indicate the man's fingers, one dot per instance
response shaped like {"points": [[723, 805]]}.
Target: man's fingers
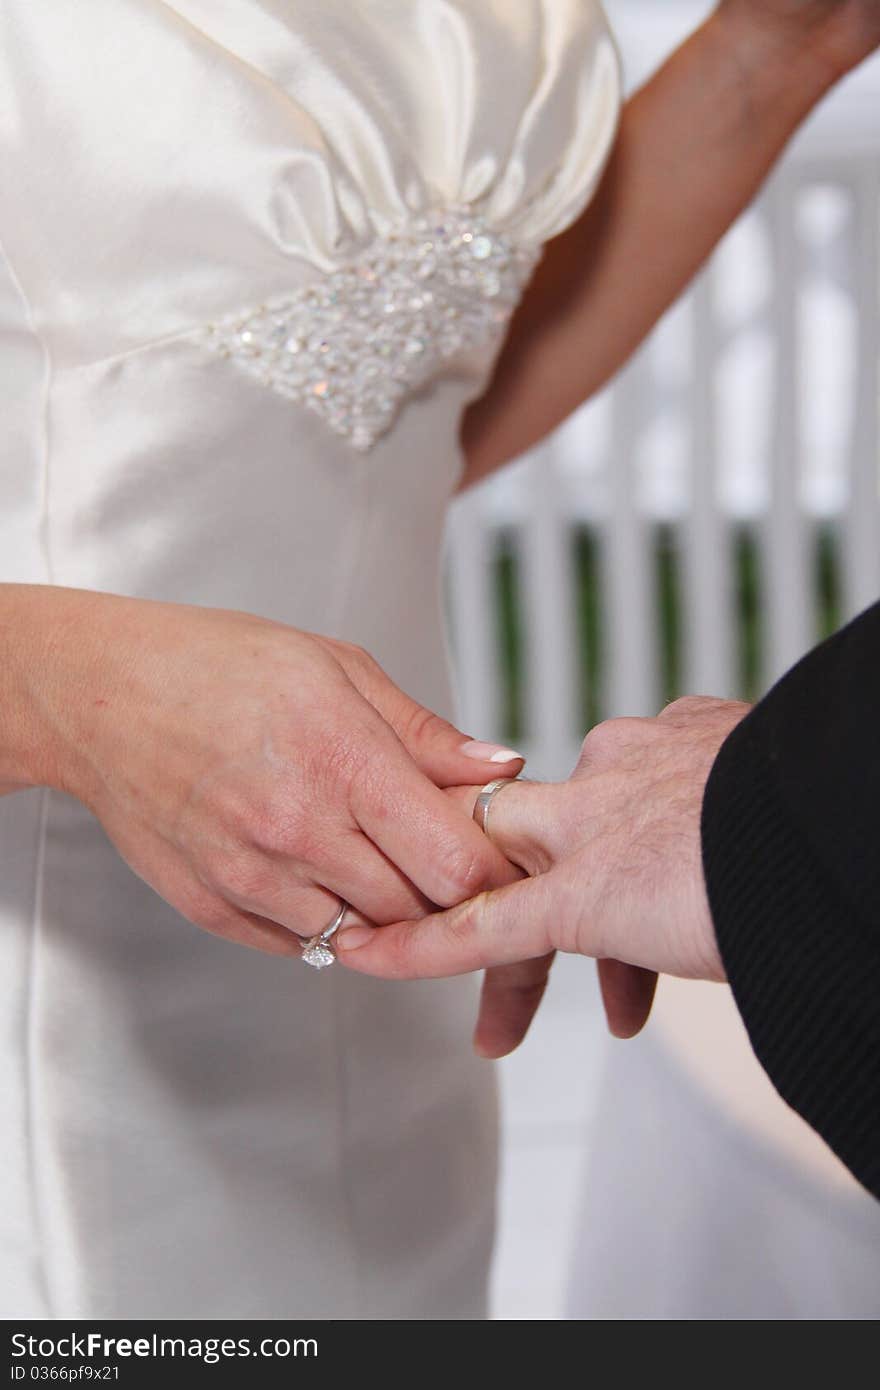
{"points": [[509, 1001], [628, 995], [525, 820], [504, 927]]}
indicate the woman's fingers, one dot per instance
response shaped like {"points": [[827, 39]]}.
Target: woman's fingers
{"points": [[419, 829], [442, 752], [627, 995], [361, 874], [509, 1001], [352, 871], [280, 926], [350, 867], [297, 907], [503, 927]]}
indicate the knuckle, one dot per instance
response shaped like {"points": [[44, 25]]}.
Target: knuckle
{"points": [[465, 922], [689, 704], [240, 877], [420, 726], [403, 952], [464, 870], [535, 824], [538, 858], [352, 650], [288, 816], [614, 737], [373, 790], [210, 913], [277, 825], [356, 659], [340, 759], [527, 993], [374, 793], [603, 739]]}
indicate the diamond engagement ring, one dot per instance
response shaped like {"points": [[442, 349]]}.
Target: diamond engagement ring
{"points": [[317, 951]]}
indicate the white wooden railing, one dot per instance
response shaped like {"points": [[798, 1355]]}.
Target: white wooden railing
{"points": [[754, 409]]}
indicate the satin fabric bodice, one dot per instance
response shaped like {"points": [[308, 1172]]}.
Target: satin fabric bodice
{"points": [[198, 1131]]}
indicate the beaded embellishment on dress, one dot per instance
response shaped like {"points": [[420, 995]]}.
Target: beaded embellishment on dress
{"points": [[354, 345]]}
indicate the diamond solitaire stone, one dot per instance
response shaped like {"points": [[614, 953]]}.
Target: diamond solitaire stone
{"points": [[318, 955], [355, 344]]}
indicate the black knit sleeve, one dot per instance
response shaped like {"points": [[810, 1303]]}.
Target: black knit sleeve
{"points": [[791, 854]]}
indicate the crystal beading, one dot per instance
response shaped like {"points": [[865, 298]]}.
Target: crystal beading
{"points": [[356, 344]]}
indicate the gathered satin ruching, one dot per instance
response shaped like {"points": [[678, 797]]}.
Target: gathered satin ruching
{"points": [[227, 151], [196, 1130]]}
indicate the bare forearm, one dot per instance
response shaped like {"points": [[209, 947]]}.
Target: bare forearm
{"points": [[694, 146], [42, 651]]}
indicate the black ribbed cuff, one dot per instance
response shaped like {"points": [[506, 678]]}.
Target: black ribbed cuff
{"points": [[794, 953]]}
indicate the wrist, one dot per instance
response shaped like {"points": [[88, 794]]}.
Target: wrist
{"points": [[784, 66], [44, 657]]}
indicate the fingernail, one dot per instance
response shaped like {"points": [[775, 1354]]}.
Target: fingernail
{"points": [[490, 752], [353, 937]]}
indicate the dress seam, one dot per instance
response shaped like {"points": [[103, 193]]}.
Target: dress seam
{"points": [[29, 1021], [39, 873], [30, 1069]]}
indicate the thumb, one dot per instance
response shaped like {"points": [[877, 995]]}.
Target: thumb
{"points": [[502, 927], [440, 750]]}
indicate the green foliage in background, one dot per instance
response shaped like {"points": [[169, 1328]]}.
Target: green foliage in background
{"points": [[591, 636]]}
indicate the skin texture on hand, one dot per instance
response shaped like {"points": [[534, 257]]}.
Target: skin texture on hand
{"points": [[252, 774], [615, 869]]}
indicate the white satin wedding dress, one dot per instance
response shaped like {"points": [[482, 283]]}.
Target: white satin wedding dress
{"points": [[257, 255]]}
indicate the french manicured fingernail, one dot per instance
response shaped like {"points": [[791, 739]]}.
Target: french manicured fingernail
{"points": [[353, 937], [490, 752]]}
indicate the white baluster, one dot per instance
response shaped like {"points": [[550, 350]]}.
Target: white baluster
{"points": [[710, 630], [630, 645], [548, 594], [786, 569], [471, 547], [861, 557]]}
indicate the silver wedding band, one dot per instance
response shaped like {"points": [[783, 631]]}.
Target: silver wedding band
{"points": [[317, 951], [483, 803]]}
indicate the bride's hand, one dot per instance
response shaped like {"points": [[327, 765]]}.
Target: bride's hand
{"points": [[838, 34], [254, 774]]}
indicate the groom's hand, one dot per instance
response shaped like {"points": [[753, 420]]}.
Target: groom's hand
{"points": [[615, 873]]}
